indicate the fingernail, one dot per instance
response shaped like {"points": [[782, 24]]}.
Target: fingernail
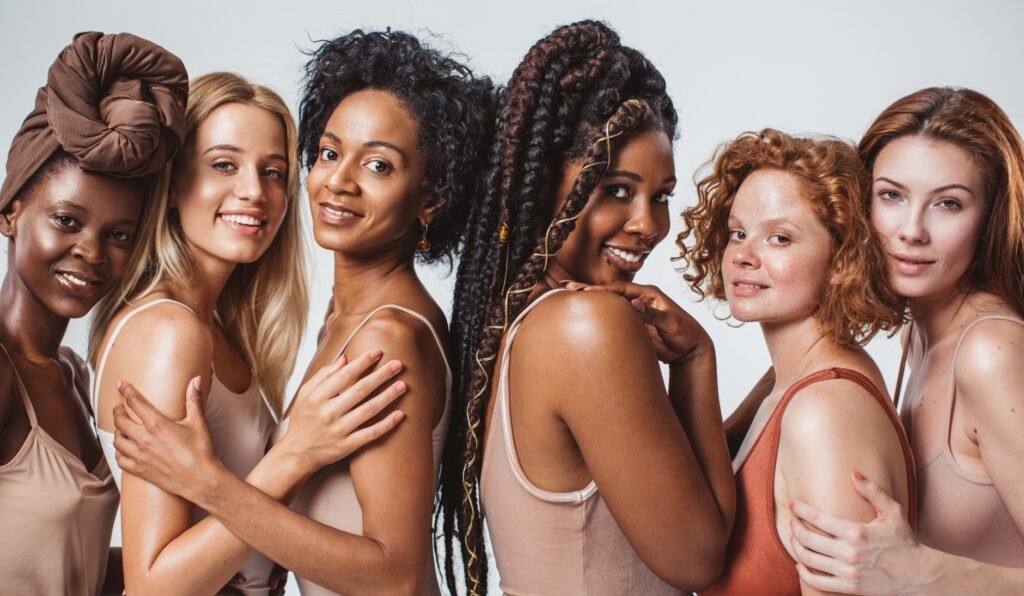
{"points": [[400, 387], [395, 365], [399, 415], [564, 282], [120, 384], [638, 304], [195, 383], [857, 475], [376, 353]]}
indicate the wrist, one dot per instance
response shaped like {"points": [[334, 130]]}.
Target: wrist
{"points": [[701, 352], [211, 480], [289, 462], [930, 570]]}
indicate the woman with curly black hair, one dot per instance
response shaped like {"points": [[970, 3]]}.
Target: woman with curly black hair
{"points": [[392, 133], [624, 487]]}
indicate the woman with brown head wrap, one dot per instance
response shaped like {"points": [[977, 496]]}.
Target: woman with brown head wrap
{"points": [[108, 120]]}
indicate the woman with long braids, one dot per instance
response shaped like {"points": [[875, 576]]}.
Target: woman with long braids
{"points": [[948, 202], [79, 175], [592, 477], [392, 132]]}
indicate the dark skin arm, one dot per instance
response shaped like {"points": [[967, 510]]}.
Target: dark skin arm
{"points": [[587, 361]]}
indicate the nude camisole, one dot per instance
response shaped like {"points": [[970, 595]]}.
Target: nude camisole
{"points": [[55, 515], [756, 562], [961, 512], [546, 542], [240, 428], [329, 496]]}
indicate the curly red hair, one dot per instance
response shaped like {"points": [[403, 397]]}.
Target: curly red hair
{"points": [[857, 302]]}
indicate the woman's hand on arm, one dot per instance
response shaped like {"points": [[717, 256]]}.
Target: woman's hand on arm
{"points": [[394, 483], [830, 430], [883, 556]]}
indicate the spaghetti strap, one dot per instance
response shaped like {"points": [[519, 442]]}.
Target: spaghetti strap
{"points": [[951, 392], [410, 312], [101, 363], [26, 402]]}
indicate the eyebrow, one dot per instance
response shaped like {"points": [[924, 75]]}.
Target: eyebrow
{"points": [[234, 149], [632, 176], [368, 144], [953, 186]]}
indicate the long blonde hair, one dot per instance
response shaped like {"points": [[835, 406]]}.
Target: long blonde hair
{"points": [[264, 304]]}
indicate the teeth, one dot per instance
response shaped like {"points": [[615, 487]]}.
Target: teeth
{"points": [[75, 280], [245, 220], [743, 285], [339, 209], [631, 257]]}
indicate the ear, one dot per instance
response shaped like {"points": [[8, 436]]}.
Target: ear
{"points": [[430, 208], [9, 219]]}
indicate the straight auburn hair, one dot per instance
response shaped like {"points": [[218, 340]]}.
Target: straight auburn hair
{"points": [[973, 122], [263, 306]]}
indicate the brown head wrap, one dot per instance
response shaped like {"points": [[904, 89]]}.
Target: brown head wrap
{"points": [[114, 102]]}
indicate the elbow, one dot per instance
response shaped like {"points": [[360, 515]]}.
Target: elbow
{"points": [[695, 566]]}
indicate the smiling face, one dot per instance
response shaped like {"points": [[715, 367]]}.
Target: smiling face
{"points": [[366, 188], [777, 259], [231, 191], [928, 206], [71, 237], [626, 215]]}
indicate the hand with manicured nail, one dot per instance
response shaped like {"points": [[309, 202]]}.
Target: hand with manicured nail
{"points": [[174, 455], [326, 420], [837, 555], [678, 338]]}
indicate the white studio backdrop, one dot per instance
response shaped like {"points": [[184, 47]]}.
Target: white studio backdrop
{"points": [[803, 67]]}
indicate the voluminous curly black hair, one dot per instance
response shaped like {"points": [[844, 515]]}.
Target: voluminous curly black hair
{"points": [[574, 87], [454, 111]]}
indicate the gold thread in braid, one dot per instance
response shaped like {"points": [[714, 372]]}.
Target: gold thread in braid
{"points": [[467, 485]]}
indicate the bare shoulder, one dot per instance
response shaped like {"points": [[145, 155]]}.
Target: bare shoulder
{"points": [[588, 323], [989, 368], [835, 412], [164, 327], [396, 333]]}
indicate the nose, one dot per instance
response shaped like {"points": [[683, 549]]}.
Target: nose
{"points": [[912, 230], [249, 185], [744, 255], [89, 249], [643, 220], [340, 180]]}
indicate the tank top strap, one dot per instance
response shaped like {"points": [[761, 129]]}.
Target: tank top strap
{"points": [[411, 313], [883, 400], [951, 392], [102, 362], [26, 402]]}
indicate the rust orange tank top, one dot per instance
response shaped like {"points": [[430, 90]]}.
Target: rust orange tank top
{"points": [[756, 560]]}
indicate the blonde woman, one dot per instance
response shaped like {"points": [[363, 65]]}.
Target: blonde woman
{"points": [[215, 300]]}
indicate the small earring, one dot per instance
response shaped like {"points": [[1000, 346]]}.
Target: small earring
{"points": [[424, 244]]}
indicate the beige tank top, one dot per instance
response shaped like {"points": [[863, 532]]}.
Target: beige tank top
{"points": [[55, 516], [240, 428], [960, 512], [329, 496], [546, 542]]}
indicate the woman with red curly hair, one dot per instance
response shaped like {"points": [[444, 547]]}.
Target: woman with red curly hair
{"points": [[778, 232]]}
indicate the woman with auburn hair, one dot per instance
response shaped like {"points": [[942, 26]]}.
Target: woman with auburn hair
{"points": [[215, 301], [80, 173], [947, 200], [393, 133], [578, 190]]}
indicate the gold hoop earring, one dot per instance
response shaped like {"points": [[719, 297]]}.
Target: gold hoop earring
{"points": [[424, 244]]}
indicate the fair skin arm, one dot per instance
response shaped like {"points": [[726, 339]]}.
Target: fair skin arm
{"points": [[596, 363], [163, 551], [883, 556], [830, 429], [393, 479]]}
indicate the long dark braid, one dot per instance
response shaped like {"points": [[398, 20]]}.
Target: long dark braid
{"points": [[576, 95]]}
